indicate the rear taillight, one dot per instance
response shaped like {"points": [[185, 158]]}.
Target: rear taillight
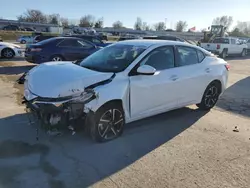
{"points": [[35, 49], [218, 46], [227, 66]]}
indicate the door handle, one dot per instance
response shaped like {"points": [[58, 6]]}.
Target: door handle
{"points": [[174, 77], [207, 70]]}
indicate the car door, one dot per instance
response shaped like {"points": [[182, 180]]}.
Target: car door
{"points": [[151, 94], [193, 75], [74, 49], [233, 49]]}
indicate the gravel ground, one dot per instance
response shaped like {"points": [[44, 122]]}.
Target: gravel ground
{"points": [[181, 148]]}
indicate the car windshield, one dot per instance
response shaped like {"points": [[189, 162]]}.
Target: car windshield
{"points": [[114, 58]]}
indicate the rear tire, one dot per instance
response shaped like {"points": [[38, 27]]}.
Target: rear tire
{"points": [[108, 123], [223, 54], [210, 96]]}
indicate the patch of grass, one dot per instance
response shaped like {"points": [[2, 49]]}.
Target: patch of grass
{"points": [[12, 35], [113, 38], [19, 87]]}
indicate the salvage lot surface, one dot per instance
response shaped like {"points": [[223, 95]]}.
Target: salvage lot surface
{"points": [[182, 148]]}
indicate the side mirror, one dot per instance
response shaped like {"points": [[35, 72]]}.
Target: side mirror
{"points": [[146, 70]]}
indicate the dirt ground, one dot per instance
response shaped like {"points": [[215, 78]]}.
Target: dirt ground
{"points": [[185, 148]]}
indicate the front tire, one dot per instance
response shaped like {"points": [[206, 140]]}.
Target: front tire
{"points": [[8, 53], [108, 124], [23, 41], [210, 96], [56, 58]]}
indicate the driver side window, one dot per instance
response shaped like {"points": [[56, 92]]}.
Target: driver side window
{"points": [[161, 58]]}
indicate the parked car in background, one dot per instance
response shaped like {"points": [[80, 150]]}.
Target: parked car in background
{"points": [[25, 39], [40, 38], [226, 46], [248, 45], [29, 29], [59, 49], [125, 82], [9, 50], [93, 39], [11, 28]]}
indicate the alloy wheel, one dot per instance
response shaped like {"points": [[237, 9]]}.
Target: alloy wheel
{"points": [[8, 53], [211, 96], [56, 59], [110, 124]]}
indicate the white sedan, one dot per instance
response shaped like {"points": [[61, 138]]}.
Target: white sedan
{"points": [[124, 82], [9, 50]]}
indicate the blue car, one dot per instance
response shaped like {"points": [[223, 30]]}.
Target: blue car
{"points": [[59, 49], [93, 39]]}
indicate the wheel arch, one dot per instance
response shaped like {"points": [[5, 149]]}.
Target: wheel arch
{"points": [[113, 101]]}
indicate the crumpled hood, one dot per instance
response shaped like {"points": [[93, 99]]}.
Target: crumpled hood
{"points": [[9, 45], [61, 79]]}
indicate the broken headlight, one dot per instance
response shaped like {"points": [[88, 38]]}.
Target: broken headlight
{"points": [[79, 97]]}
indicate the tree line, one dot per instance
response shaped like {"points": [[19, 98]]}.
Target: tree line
{"points": [[31, 15]]}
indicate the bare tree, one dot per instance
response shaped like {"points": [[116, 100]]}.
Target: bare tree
{"points": [[64, 22], [53, 19], [87, 21], [226, 21], [118, 24], [181, 26], [138, 24], [244, 27], [32, 15], [99, 23], [160, 26]]}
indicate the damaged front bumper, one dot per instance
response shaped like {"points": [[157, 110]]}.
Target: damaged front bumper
{"points": [[55, 114]]}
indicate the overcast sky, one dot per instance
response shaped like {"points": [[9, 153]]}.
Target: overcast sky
{"points": [[199, 13]]}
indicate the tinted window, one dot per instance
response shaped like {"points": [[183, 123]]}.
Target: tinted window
{"points": [[201, 55], [186, 56], [74, 43], [160, 58], [248, 41], [233, 41], [96, 41], [221, 40]]}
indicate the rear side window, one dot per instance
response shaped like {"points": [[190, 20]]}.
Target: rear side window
{"points": [[186, 56], [221, 40], [233, 41], [96, 41], [201, 55]]}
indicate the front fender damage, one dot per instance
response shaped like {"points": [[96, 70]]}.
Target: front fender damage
{"points": [[59, 113]]}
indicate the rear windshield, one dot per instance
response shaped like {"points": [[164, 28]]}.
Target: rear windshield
{"points": [[221, 40]]}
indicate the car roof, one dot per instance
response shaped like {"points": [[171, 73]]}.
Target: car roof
{"points": [[150, 42]]}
